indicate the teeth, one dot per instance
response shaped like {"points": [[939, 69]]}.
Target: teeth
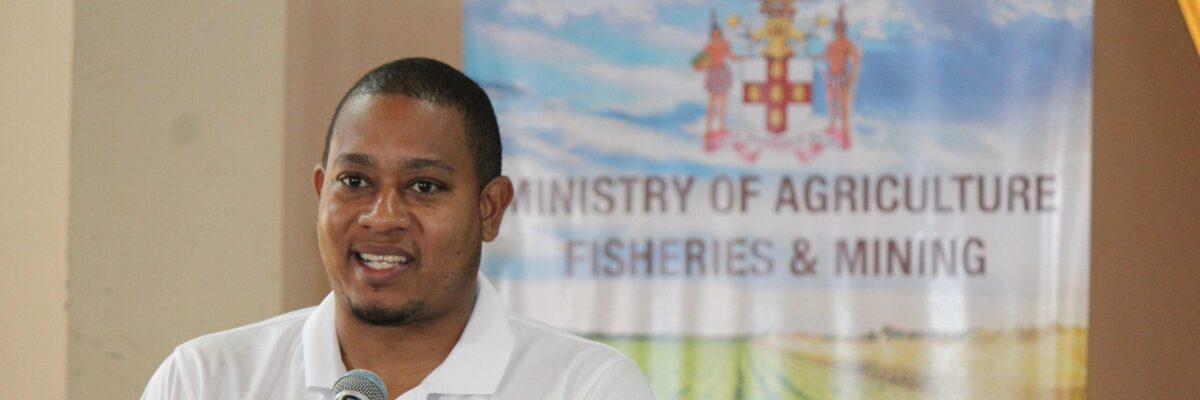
{"points": [[383, 261]]}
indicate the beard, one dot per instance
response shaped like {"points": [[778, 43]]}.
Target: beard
{"points": [[378, 315], [416, 310]]}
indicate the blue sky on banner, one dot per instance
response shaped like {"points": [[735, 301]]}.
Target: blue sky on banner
{"points": [[975, 78]]}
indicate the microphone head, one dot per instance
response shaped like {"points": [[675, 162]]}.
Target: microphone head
{"points": [[359, 384]]}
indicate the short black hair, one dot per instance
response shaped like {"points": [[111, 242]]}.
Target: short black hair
{"points": [[435, 82]]}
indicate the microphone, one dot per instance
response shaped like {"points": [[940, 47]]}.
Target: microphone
{"points": [[359, 384]]}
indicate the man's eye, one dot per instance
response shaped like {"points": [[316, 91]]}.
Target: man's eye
{"points": [[353, 181], [424, 187]]}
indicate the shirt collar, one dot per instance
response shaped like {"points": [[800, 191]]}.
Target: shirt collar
{"points": [[479, 359], [475, 365], [322, 355]]}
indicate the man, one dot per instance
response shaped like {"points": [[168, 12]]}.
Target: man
{"points": [[409, 188]]}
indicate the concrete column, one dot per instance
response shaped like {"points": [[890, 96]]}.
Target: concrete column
{"points": [[176, 184]]}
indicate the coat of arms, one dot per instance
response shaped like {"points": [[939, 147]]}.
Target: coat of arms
{"points": [[775, 82]]}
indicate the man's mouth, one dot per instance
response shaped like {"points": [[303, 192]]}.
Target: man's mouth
{"points": [[382, 261]]}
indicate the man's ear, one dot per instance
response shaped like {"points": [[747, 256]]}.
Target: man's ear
{"points": [[319, 179], [493, 200]]}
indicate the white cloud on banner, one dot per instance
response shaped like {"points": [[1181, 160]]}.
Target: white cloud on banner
{"points": [[1004, 12], [612, 136], [556, 12], [533, 45], [659, 88], [869, 18], [670, 85], [880, 145], [879, 151], [671, 36], [540, 149], [605, 135]]}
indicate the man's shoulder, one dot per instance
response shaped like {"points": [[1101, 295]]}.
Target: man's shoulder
{"points": [[544, 345], [257, 339], [570, 366], [543, 340], [247, 361]]}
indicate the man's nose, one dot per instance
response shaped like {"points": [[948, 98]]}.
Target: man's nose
{"points": [[388, 212]]}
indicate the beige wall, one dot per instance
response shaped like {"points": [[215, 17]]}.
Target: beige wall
{"points": [[1145, 306], [35, 110], [196, 128], [177, 178]]}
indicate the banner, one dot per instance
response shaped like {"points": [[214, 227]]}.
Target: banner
{"points": [[812, 199]]}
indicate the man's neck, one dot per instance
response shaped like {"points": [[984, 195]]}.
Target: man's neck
{"points": [[402, 355]]}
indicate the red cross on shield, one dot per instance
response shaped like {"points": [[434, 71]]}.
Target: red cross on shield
{"points": [[775, 91]]}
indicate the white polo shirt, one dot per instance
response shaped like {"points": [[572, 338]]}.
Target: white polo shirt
{"points": [[499, 356]]}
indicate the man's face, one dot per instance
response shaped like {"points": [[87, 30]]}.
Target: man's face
{"points": [[401, 216]]}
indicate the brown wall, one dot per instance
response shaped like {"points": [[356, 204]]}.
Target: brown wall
{"points": [[1145, 305]]}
